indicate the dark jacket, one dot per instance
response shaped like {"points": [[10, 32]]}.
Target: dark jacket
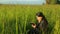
{"points": [[39, 28], [42, 26], [34, 31]]}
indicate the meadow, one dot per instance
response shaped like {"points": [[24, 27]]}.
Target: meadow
{"points": [[16, 19]]}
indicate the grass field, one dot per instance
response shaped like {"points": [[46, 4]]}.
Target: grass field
{"points": [[16, 19]]}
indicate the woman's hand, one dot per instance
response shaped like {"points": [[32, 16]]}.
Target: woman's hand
{"points": [[34, 25]]}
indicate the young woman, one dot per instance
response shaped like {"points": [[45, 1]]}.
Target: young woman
{"points": [[41, 26], [42, 23]]}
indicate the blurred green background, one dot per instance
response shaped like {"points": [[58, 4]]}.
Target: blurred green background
{"points": [[16, 19]]}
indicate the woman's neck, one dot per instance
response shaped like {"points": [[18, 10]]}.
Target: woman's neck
{"points": [[39, 21]]}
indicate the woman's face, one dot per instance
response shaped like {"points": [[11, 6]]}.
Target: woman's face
{"points": [[38, 18]]}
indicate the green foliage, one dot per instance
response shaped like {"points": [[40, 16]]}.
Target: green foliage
{"points": [[16, 19], [53, 1]]}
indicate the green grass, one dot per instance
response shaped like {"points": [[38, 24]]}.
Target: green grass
{"points": [[16, 19]]}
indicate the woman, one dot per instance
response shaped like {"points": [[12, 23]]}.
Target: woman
{"points": [[42, 23], [41, 26]]}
